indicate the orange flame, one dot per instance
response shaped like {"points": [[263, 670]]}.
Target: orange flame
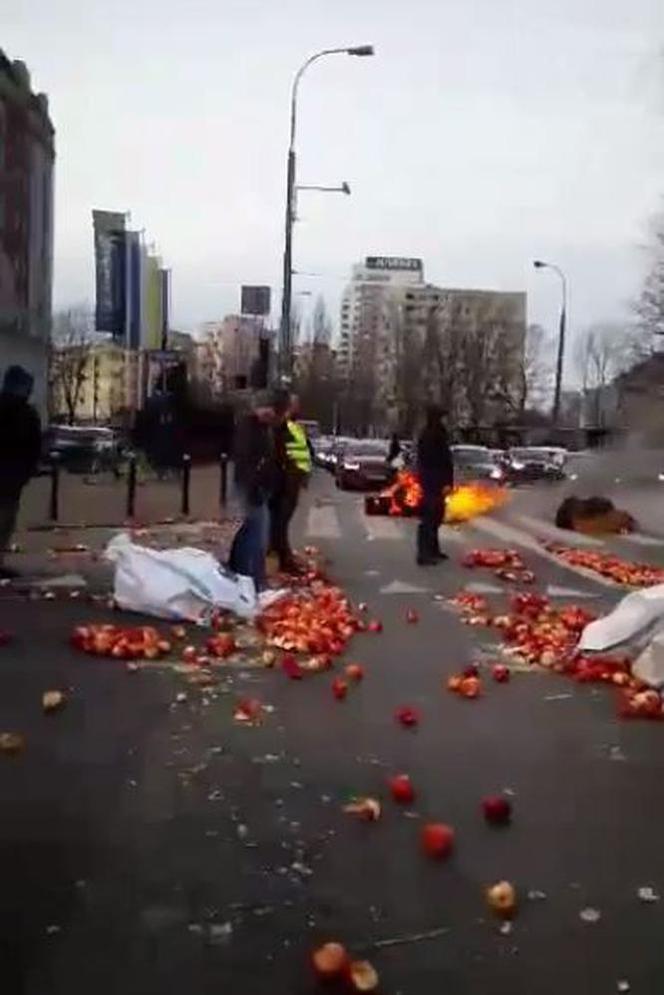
{"points": [[465, 502]]}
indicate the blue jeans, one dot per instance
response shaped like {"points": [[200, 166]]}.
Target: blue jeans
{"points": [[249, 547]]}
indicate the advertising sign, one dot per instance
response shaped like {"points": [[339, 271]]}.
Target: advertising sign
{"points": [[393, 262], [256, 300], [110, 272]]}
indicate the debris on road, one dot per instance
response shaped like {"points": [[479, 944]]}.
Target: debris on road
{"points": [[501, 899], [407, 938], [625, 572], [590, 915], [140, 642], [647, 894], [12, 743], [407, 716], [593, 516], [52, 701], [368, 809]]}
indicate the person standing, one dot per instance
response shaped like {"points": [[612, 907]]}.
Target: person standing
{"points": [[293, 472], [436, 475], [20, 449], [255, 472]]}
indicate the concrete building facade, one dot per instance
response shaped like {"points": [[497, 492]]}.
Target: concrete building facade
{"points": [[27, 154]]}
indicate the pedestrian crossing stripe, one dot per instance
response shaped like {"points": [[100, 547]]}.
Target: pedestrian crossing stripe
{"points": [[550, 531], [323, 523]]}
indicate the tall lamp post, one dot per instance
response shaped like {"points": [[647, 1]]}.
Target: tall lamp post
{"points": [[540, 264], [285, 340]]}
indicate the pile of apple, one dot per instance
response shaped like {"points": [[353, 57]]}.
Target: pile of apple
{"points": [[319, 620], [539, 633], [507, 564], [139, 643], [606, 565]]}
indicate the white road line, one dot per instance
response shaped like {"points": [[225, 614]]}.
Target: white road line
{"points": [[323, 523], [550, 531], [642, 540], [515, 537]]}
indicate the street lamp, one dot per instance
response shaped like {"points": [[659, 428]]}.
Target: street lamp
{"points": [[540, 264], [285, 343]]}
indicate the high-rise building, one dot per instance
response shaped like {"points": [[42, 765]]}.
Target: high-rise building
{"points": [[27, 154], [405, 343]]}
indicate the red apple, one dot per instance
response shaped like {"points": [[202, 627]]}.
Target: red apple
{"points": [[402, 789], [497, 810], [437, 840], [339, 689], [412, 617], [330, 960], [354, 672], [189, 654], [291, 667], [472, 670], [407, 716], [470, 687], [375, 625], [500, 673]]}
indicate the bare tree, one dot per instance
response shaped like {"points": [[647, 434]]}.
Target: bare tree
{"points": [[650, 303], [71, 345], [537, 369], [321, 323]]}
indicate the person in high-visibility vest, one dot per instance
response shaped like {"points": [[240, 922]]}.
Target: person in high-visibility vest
{"points": [[294, 463]]}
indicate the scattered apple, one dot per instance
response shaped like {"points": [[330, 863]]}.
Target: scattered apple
{"points": [[12, 743], [402, 789], [189, 654], [472, 670], [500, 673], [412, 617], [470, 687], [291, 667], [330, 961], [501, 899], [52, 701], [363, 976], [375, 625], [437, 840], [407, 716], [454, 682], [497, 810], [354, 672], [366, 808], [339, 688]]}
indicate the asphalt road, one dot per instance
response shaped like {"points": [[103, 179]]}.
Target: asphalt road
{"points": [[150, 846]]}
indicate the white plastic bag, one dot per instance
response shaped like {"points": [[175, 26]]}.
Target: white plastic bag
{"points": [[176, 583], [649, 666], [637, 615]]}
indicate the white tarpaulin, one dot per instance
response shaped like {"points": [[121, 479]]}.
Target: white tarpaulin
{"points": [[638, 620], [183, 583]]}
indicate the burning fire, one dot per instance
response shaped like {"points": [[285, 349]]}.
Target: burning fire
{"points": [[466, 501]]}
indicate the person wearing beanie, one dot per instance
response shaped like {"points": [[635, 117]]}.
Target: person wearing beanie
{"points": [[20, 449]]}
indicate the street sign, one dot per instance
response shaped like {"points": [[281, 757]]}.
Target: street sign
{"points": [[256, 300], [393, 262]]}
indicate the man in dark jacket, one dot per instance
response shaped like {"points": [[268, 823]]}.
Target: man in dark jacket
{"points": [[255, 473], [20, 449], [436, 474]]}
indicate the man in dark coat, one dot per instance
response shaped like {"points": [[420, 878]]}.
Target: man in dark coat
{"points": [[20, 449], [436, 474], [255, 475]]}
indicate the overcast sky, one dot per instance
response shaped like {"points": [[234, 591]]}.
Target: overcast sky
{"points": [[484, 133]]}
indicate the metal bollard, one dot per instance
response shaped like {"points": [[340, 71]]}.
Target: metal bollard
{"points": [[131, 487], [223, 480], [55, 489], [186, 481]]}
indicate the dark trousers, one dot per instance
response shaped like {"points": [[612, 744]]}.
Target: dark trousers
{"points": [[248, 551], [282, 508], [8, 514], [431, 518]]}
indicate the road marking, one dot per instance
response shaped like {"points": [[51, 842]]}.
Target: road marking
{"points": [[642, 540], [401, 587], [480, 588], [323, 523], [515, 537], [553, 591], [447, 533], [380, 527], [553, 532]]}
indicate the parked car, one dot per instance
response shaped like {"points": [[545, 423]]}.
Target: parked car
{"points": [[340, 443], [323, 447], [530, 464], [84, 449], [476, 463], [362, 465]]}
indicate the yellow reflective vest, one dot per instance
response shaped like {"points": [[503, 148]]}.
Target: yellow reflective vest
{"points": [[297, 449]]}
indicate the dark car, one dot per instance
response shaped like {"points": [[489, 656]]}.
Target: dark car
{"points": [[530, 465], [83, 449], [362, 465], [476, 463]]}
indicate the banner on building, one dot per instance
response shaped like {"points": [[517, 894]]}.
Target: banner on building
{"points": [[110, 272], [256, 301]]}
